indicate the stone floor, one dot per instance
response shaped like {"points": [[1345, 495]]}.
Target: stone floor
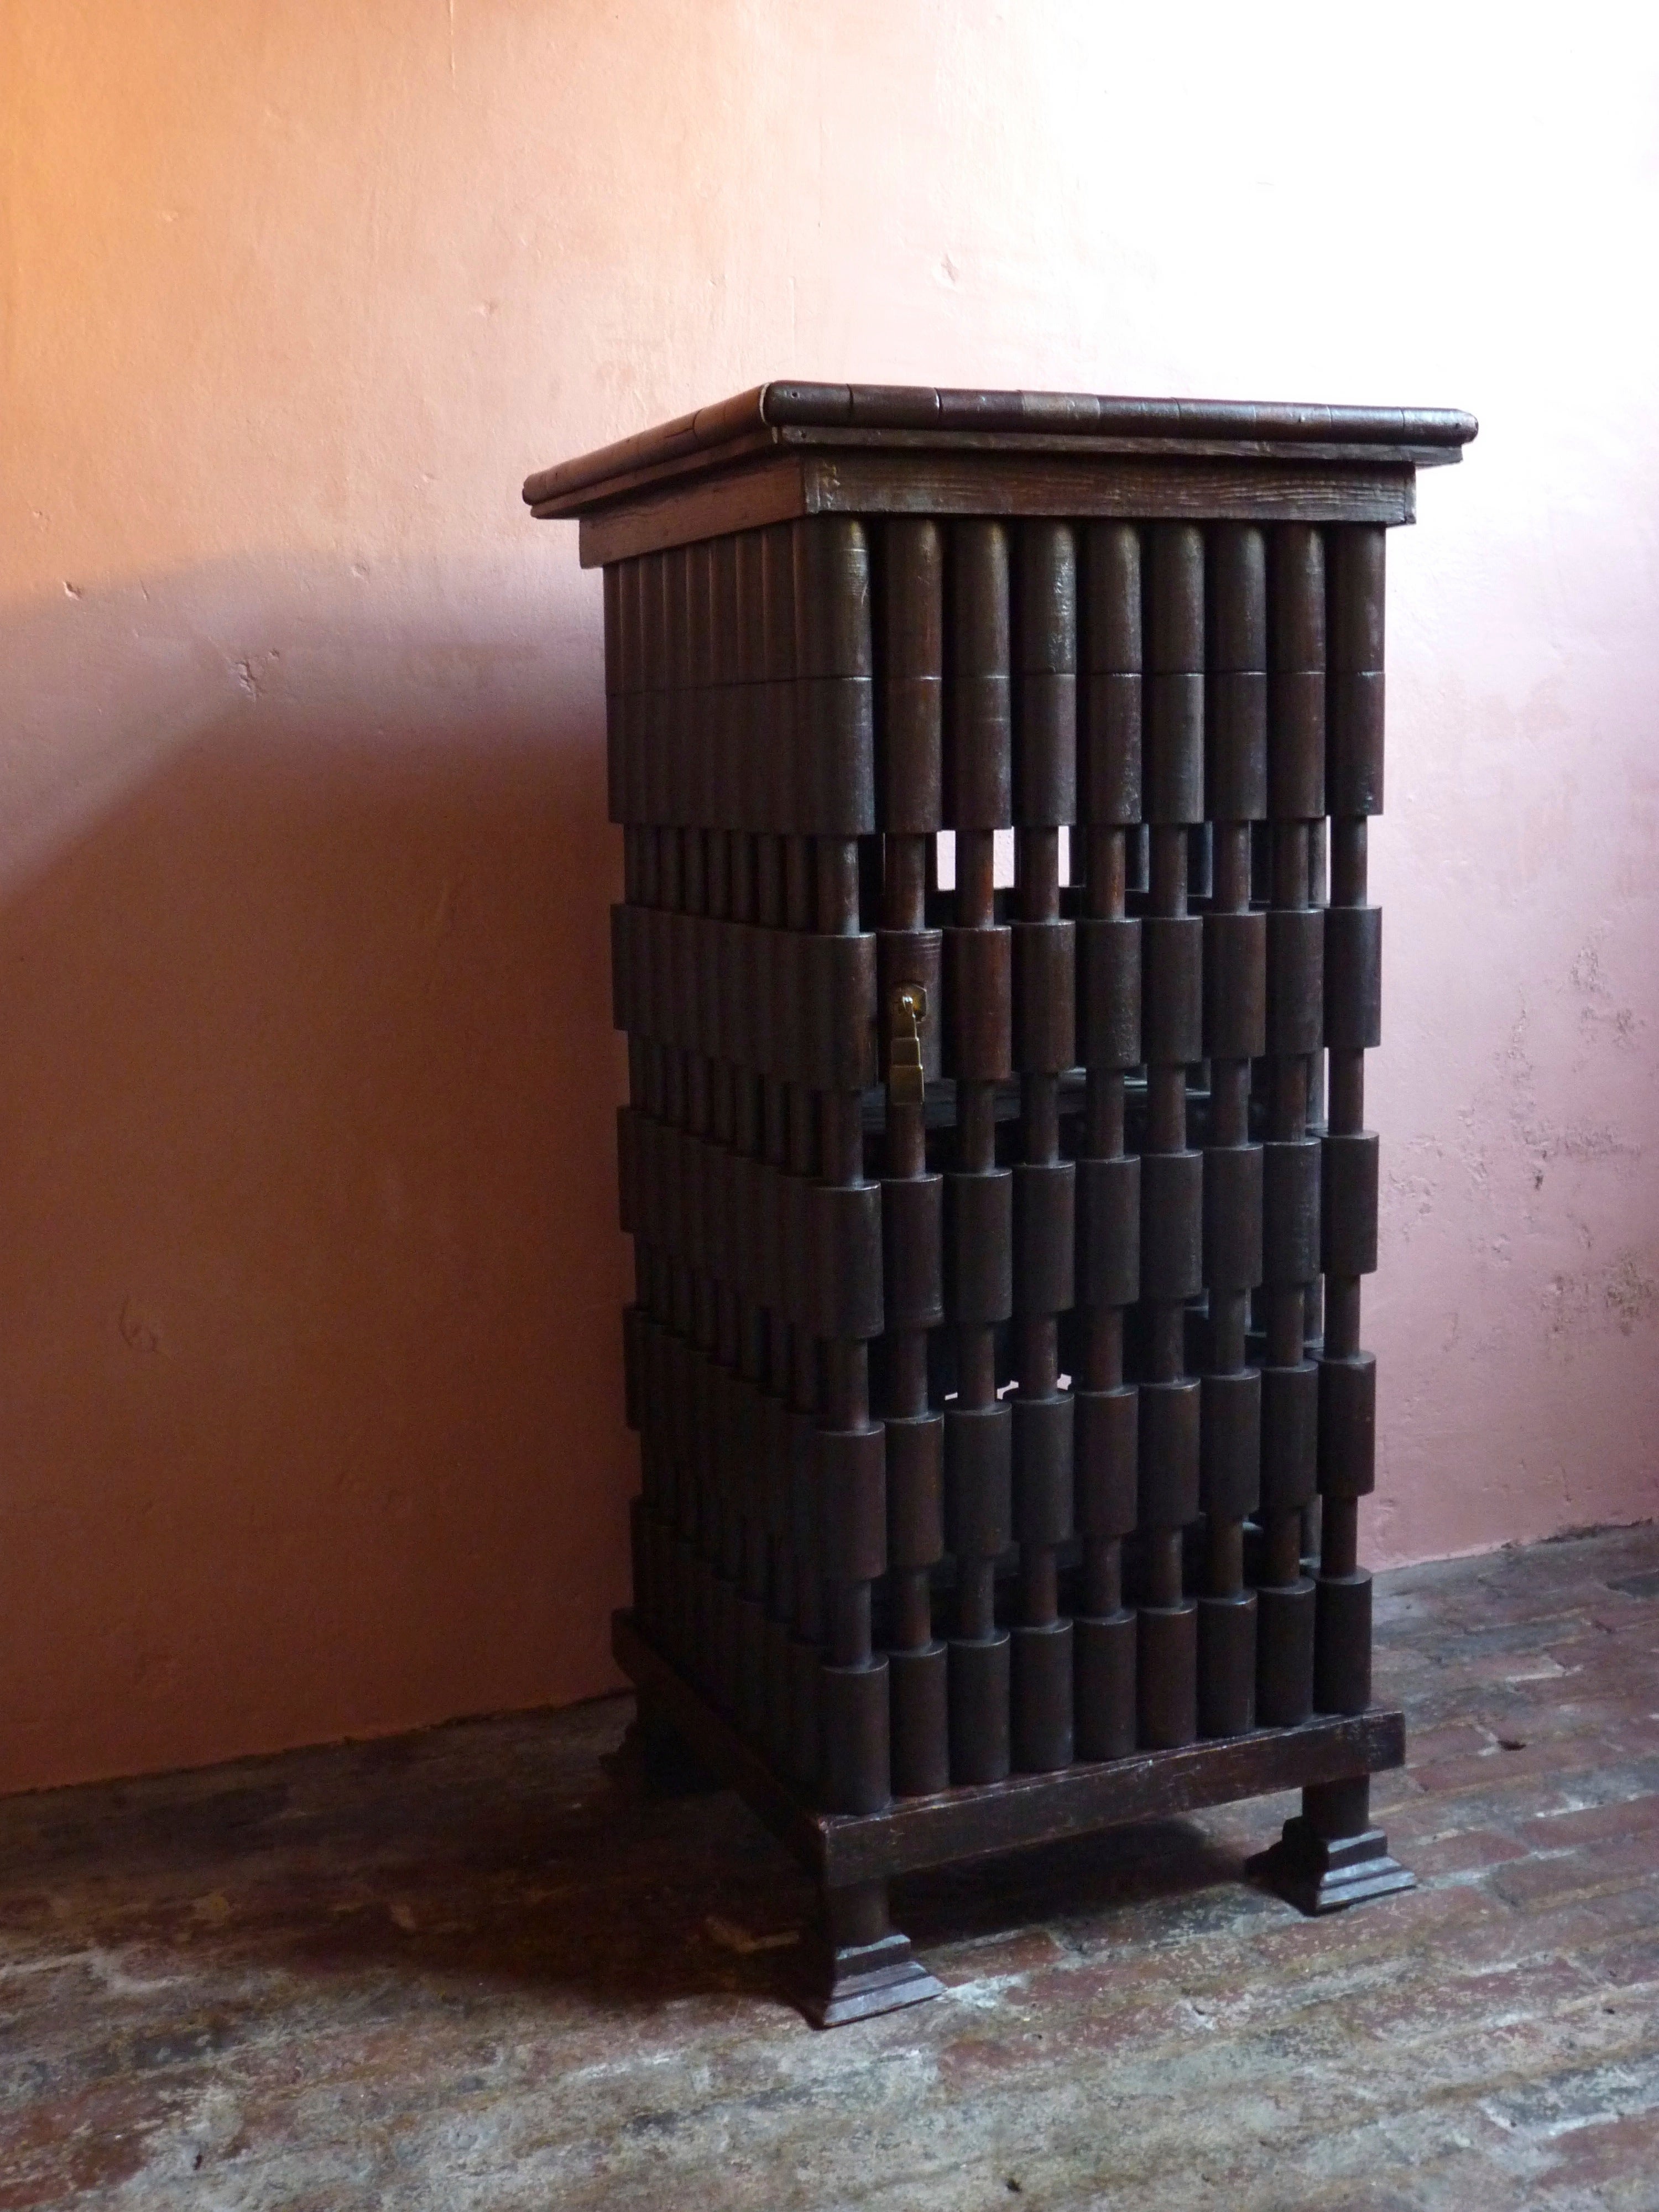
{"points": [[472, 1968]]}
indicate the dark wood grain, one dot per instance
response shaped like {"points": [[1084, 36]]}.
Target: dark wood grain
{"points": [[994, 480], [900, 410], [771, 489], [979, 1821], [996, 1351], [680, 469]]}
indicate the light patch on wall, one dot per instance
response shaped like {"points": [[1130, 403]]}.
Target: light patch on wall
{"points": [[1620, 1297]]}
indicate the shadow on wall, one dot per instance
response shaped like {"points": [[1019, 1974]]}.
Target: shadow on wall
{"points": [[311, 1267]]}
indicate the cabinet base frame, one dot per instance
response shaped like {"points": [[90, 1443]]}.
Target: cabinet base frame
{"points": [[858, 1965]]}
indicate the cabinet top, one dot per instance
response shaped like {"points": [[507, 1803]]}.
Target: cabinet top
{"points": [[1010, 421], [784, 451]]}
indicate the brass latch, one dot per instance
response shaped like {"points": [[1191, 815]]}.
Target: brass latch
{"points": [[907, 1085]]}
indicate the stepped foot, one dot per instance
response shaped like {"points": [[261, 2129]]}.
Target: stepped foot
{"points": [[860, 1964], [1330, 1855]]}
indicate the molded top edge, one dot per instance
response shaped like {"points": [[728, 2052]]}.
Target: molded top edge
{"points": [[920, 407]]}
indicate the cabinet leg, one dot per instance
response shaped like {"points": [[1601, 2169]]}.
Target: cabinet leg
{"points": [[860, 1964], [1330, 1855]]}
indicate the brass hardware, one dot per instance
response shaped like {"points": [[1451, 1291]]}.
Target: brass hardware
{"points": [[907, 1084]]}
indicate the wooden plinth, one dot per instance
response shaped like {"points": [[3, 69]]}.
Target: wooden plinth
{"points": [[845, 1852]]}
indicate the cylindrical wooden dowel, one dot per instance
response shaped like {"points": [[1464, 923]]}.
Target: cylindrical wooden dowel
{"points": [[847, 1516], [1291, 1161], [1234, 983], [1171, 1174], [978, 1443], [1106, 1443], [1347, 1374], [1045, 958], [912, 611]]}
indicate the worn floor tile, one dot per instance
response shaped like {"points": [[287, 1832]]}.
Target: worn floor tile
{"points": [[475, 1967]]}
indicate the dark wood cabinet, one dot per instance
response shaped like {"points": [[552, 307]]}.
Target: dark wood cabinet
{"points": [[998, 970]]}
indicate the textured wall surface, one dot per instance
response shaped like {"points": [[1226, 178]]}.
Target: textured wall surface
{"points": [[309, 1367]]}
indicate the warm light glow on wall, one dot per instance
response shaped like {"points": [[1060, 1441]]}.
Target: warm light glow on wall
{"points": [[310, 1267]]}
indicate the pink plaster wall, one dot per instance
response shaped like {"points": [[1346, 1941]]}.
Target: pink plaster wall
{"points": [[309, 1361]]}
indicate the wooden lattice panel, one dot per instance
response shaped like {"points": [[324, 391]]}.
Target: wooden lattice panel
{"points": [[996, 1352]]}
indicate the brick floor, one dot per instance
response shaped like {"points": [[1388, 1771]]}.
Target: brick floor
{"points": [[471, 1968]]}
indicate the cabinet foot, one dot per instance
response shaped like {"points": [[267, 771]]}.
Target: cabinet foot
{"points": [[859, 1965], [1330, 1855]]}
